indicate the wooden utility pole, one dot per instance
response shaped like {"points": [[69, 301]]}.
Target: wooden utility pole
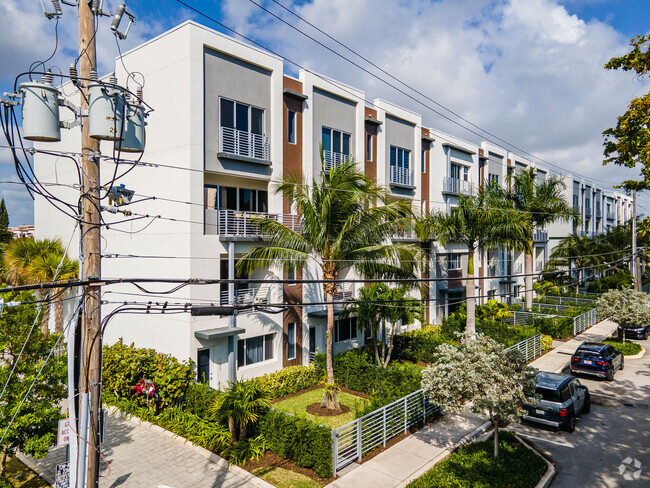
{"points": [[90, 367], [636, 267]]}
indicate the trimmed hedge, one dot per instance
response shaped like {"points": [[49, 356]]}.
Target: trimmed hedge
{"points": [[306, 443], [419, 344], [288, 380], [199, 397], [628, 349], [556, 327], [123, 366]]}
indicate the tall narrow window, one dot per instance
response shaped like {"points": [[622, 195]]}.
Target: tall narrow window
{"points": [[424, 161], [291, 341], [368, 147], [291, 128]]}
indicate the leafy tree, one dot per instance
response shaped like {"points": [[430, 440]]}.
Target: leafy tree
{"points": [[346, 222], [542, 204], [5, 235], [628, 144], [240, 406], [479, 221], [370, 312], [493, 310], [29, 261], [482, 376], [34, 428], [625, 307]]}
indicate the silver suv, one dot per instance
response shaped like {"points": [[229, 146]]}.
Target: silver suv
{"points": [[563, 398]]}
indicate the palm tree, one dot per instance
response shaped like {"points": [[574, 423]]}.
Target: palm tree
{"points": [[479, 221], [542, 204], [346, 222], [30, 261]]}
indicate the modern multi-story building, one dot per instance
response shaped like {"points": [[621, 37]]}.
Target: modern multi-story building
{"points": [[228, 125]]}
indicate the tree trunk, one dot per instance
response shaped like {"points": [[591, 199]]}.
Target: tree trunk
{"points": [[390, 347], [496, 438], [331, 400], [383, 340], [528, 279], [233, 431], [375, 344], [58, 314], [45, 320], [470, 324]]}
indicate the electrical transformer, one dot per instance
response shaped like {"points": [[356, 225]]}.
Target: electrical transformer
{"points": [[106, 105], [40, 110]]}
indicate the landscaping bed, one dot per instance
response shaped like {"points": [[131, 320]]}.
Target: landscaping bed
{"points": [[18, 474], [474, 466], [628, 348]]}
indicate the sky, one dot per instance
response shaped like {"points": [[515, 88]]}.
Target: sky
{"points": [[529, 72]]}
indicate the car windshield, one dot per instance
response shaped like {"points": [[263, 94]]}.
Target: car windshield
{"points": [[548, 394], [585, 354]]}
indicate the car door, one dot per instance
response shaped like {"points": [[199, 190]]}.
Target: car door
{"points": [[616, 357], [577, 395]]}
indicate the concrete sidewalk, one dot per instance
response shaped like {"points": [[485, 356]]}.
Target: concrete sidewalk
{"points": [[413, 456], [557, 360]]}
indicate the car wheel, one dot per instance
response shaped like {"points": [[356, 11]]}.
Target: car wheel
{"points": [[610, 374], [587, 406], [571, 424], [622, 364], [645, 335]]}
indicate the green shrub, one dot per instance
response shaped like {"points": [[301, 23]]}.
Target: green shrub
{"points": [[556, 327], [475, 466], [616, 281], [628, 348], [246, 450], [503, 333], [123, 366], [306, 443], [199, 397], [547, 343], [419, 344], [288, 380]]}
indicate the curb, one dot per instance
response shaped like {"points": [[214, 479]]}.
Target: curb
{"points": [[201, 451], [474, 434], [550, 469], [639, 355]]}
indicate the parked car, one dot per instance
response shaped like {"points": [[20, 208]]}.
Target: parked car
{"points": [[563, 398], [634, 331], [597, 359]]}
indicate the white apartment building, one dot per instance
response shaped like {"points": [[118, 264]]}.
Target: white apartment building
{"points": [[227, 125]]}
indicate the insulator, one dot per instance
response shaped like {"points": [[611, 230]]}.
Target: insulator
{"points": [[112, 79], [57, 7], [138, 93], [93, 74], [73, 74], [115, 23]]}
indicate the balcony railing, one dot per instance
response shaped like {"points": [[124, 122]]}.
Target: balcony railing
{"points": [[403, 234], [598, 213], [243, 224], [541, 235], [344, 291], [248, 296], [334, 159], [402, 176], [243, 143], [458, 186], [610, 215]]}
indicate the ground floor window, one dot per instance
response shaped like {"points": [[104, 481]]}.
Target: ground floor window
{"points": [[291, 341], [203, 365], [254, 350], [345, 329]]}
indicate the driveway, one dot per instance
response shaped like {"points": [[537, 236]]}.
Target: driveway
{"points": [[616, 429]]}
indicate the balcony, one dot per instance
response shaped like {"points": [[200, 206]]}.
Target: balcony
{"points": [[576, 208], [540, 236], [403, 234], [587, 212], [610, 215], [240, 223], [599, 214], [334, 159], [344, 291], [402, 177], [248, 296], [243, 144], [456, 186]]}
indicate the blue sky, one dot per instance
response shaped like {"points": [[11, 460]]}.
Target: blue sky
{"points": [[529, 71]]}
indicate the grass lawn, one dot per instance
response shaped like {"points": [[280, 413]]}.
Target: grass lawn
{"points": [[298, 406], [474, 466], [628, 349], [283, 478]]}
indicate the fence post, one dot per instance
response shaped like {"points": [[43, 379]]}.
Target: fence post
{"points": [[335, 453], [424, 409], [406, 415], [359, 443], [384, 426]]}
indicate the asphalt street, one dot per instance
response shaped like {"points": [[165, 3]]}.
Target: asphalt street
{"points": [[610, 441]]}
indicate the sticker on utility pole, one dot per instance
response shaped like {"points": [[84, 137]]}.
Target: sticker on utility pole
{"points": [[62, 475], [63, 434]]}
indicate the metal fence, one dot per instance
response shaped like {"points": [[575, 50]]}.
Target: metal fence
{"points": [[584, 321], [550, 306], [568, 300], [521, 319], [351, 441], [530, 348], [243, 143], [402, 176]]}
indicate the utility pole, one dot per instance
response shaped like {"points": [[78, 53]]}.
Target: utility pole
{"points": [[636, 275], [90, 367]]}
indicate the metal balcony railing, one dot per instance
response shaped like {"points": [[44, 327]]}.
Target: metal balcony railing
{"points": [[243, 224], [248, 296], [242, 143], [458, 186], [402, 176], [403, 234], [541, 235], [334, 159], [344, 292]]}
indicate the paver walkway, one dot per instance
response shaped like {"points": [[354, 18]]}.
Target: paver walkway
{"points": [[143, 457]]}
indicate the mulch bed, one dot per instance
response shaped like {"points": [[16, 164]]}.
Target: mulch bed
{"points": [[319, 387], [317, 409], [272, 460]]}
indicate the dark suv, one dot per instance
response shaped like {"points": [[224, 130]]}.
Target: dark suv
{"points": [[563, 398], [597, 359], [634, 331]]}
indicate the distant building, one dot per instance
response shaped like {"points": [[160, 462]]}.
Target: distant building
{"points": [[22, 231]]}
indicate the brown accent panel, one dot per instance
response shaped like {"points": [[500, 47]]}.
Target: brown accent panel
{"points": [[426, 175], [481, 153], [370, 166], [455, 276], [292, 294]]}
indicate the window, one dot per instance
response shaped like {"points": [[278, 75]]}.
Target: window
{"points": [[576, 201], [459, 172], [231, 198], [368, 147], [291, 129], [345, 329], [203, 366], [291, 276], [424, 160], [586, 203], [254, 350], [291, 341], [241, 116], [453, 261], [492, 177], [399, 157], [336, 141]]}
